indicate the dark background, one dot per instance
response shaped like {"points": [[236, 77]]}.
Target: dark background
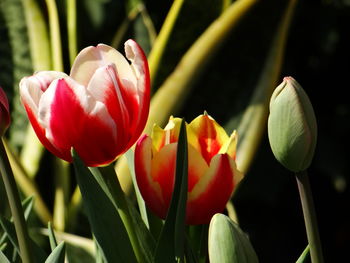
{"points": [[316, 55]]}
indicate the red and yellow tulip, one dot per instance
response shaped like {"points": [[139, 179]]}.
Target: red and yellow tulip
{"points": [[212, 171], [100, 109]]}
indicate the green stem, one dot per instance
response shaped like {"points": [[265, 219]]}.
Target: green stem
{"points": [[56, 49], [27, 185], [108, 180], [15, 206], [73, 209], [72, 29], [61, 193], [163, 37], [309, 217]]}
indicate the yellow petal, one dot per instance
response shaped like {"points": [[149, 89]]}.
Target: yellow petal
{"points": [[230, 145], [207, 136], [150, 189]]}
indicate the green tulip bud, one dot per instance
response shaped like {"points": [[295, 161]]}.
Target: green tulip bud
{"points": [[292, 127], [227, 243]]}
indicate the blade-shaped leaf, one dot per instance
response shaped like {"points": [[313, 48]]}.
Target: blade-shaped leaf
{"points": [[9, 228], [141, 203], [140, 238], [170, 245], [27, 205], [58, 254], [3, 258], [52, 237], [228, 243], [305, 256], [104, 219]]}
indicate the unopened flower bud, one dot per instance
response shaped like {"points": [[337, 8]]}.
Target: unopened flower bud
{"points": [[292, 127]]}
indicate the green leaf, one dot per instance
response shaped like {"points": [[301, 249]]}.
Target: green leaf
{"points": [[19, 64], [3, 258], [198, 239], [58, 254], [77, 254], [52, 238], [228, 243], [170, 245], [104, 219], [141, 203], [139, 235], [27, 205], [305, 256], [9, 228]]}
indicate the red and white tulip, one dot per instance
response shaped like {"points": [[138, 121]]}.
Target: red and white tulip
{"points": [[212, 171], [100, 109]]}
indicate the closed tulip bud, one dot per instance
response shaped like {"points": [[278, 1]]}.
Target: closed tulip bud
{"points": [[4, 112], [292, 127], [100, 109]]}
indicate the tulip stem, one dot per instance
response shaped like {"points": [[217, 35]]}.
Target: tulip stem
{"points": [[309, 217], [72, 29], [108, 180], [55, 36], [61, 193], [15, 206]]}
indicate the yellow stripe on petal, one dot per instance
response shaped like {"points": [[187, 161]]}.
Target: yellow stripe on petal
{"points": [[163, 172], [213, 190], [158, 137], [230, 145], [197, 167], [210, 136], [150, 189]]}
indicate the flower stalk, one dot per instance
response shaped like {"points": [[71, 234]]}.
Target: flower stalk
{"points": [[309, 217], [15, 206]]}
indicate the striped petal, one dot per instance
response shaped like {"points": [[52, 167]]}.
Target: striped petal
{"points": [[31, 91], [139, 65], [92, 58], [208, 136], [62, 114], [150, 189], [32, 88], [213, 190], [169, 134]]}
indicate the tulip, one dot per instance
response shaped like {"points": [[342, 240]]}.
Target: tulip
{"points": [[4, 112], [292, 127], [100, 109], [212, 171]]}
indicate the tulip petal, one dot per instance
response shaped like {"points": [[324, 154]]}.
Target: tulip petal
{"points": [[150, 190], [91, 58], [140, 67], [4, 112], [97, 144], [208, 136], [31, 88], [105, 88], [61, 114], [169, 134], [230, 146], [213, 190]]}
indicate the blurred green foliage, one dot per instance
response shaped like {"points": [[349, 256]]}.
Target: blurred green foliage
{"points": [[317, 56]]}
